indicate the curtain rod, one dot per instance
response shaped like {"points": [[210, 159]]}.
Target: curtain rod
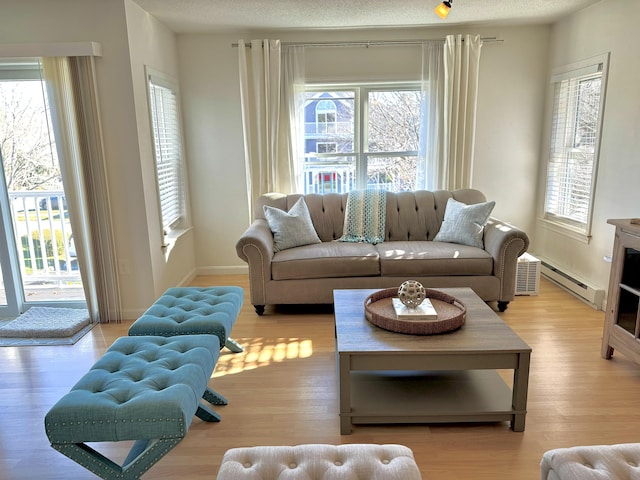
{"points": [[371, 43]]}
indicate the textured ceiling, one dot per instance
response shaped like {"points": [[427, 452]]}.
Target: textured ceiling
{"points": [[200, 16]]}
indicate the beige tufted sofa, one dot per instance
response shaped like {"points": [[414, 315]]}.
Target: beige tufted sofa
{"points": [[309, 274], [595, 462], [320, 462]]}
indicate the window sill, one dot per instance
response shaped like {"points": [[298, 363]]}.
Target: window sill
{"points": [[172, 238], [566, 230]]}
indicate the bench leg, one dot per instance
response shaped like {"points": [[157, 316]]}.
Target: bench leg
{"points": [[206, 414], [234, 346], [214, 398], [142, 456]]}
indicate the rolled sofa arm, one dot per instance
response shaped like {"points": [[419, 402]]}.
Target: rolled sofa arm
{"points": [[505, 243], [256, 248]]}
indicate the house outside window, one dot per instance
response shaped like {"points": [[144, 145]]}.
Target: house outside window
{"points": [[325, 116], [579, 92], [167, 141], [360, 136]]}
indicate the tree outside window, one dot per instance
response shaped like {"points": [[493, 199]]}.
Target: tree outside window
{"points": [[28, 148]]}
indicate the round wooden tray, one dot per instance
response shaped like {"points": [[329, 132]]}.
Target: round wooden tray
{"points": [[378, 309]]}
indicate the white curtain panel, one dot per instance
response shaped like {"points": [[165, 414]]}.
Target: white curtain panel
{"points": [[292, 125], [461, 69], [270, 76], [431, 149], [72, 91]]}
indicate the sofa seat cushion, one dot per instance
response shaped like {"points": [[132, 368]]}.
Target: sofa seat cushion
{"points": [[422, 258], [326, 260]]}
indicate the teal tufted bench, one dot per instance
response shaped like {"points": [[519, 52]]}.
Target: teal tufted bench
{"points": [[145, 389], [193, 310]]}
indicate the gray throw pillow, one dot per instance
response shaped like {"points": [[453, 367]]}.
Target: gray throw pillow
{"points": [[464, 224], [291, 229]]}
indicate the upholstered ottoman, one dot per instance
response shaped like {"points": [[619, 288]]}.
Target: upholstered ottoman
{"points": [[193, 311], [145, 389], [320, 462], [597, 462]]}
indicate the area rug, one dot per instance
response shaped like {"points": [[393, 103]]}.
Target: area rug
{"points": [[46, 323]]}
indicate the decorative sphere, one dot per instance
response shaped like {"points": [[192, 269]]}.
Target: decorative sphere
{"points": [[411, 293]]}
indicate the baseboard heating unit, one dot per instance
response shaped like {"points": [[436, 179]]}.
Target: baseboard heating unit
{"points": [[590, 294]]}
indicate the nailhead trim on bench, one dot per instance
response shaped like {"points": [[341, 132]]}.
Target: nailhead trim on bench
{"points": [[126, 395]]}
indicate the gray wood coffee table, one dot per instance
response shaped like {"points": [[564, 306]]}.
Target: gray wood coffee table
{"points": [[387, 377]]}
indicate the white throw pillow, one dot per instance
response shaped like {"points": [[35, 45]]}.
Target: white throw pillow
{"points": [[291, 229], [464, 224]]}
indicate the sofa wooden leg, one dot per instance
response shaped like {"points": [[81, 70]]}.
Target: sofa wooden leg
{"points": [[502, 306], [259, 309]]}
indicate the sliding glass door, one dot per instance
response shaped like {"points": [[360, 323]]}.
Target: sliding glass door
{"points": [[39, 263]]}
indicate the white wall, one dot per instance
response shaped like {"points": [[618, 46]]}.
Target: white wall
{"points": [[214, 143], [608, 26], [152, 44], [130, 38], [510, 113], [513, 79], [41, 21]]}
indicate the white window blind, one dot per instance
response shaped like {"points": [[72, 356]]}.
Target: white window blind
{"points": [[575, 133], [168, 149]]}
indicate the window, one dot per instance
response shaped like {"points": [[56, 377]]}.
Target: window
{"points": [[167, 140], [326, 147], [360, 136], [326, 116], [575, 132]]}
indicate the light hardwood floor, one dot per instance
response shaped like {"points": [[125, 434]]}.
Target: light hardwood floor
{"points": [[282, 391]]}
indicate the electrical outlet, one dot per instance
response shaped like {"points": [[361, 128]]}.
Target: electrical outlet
{"points": [[123, 267]]}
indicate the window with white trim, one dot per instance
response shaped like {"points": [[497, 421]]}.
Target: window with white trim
{"points": [[326, 116], [326, 147], [373, 134], [167, 142], [578, 100]]}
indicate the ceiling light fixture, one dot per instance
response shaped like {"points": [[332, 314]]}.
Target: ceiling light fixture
{"points": [[442, 10]]}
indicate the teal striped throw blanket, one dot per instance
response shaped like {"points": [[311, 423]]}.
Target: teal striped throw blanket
{"points": [[365, 217]]}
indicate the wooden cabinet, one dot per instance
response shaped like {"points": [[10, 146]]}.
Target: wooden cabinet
{"points": [[622, 319]]}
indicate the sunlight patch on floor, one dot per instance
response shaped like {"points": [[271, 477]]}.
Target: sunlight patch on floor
{"points": [[261, 352]]}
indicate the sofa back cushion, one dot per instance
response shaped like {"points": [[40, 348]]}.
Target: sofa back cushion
{"points": [[415, 215]]}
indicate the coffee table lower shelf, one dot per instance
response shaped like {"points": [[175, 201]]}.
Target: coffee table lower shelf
{"points": [[379, 397]]}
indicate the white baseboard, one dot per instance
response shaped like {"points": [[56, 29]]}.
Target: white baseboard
{"points": [[133, 314], [238, 270], [186, 280]]}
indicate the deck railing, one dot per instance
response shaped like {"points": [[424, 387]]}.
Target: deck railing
{"points": [[44, 240], [321, 176]]}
